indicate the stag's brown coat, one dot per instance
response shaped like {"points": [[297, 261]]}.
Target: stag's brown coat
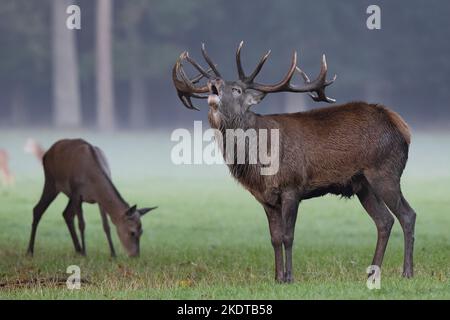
{"points": [[352, 149]]}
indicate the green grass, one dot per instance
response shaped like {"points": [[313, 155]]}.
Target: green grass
{"points": [[209, 238]]}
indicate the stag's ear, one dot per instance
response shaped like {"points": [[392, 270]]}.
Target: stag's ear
{"points": [[253, 97], [131, 211], [145, 210]]}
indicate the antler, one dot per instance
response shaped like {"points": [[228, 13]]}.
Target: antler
{"points": [[258, 68], [186, 88], [317, 86]]}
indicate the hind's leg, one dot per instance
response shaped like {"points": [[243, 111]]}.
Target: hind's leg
{"points": [[107, 231], [387, 187], [81, 225], [48, 195], [69, 216], [383, 220]]}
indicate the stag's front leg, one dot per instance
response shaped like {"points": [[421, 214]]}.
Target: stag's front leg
{"points": [[289, 208], [276, 232]]}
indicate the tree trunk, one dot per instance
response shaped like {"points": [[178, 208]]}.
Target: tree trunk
{"points": [[66, 90], [138, 95], [18, 110], [138, 102], [105, 81]]}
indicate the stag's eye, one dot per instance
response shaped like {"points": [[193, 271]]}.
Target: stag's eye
{"points": [[236, 91], [133, 234]]}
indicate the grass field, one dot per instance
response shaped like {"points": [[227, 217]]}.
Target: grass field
{"points": [[209, 238]]}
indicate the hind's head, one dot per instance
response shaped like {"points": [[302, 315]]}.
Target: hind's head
{"points": [[129, 229]]}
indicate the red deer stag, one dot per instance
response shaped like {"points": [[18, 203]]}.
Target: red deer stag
{"points": [[352, 149], [81, 171]]}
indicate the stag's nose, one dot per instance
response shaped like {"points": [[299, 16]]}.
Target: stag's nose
{"points": [[215, 86]]}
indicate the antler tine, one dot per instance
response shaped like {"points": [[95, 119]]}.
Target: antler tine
{"points": [[187, 102], [209, 61], [186, 56], [323, 73], [199, 77], [179, 70], [241, 72], [317, 86], [188, 82], [259, 66], [283, 85], [303, 74], [185, 87]]}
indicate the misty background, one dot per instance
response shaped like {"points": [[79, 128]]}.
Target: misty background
{"points": [[115, 73]]}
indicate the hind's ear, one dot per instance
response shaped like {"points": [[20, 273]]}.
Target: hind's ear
{"points": [[131, 211], [145, 210]]}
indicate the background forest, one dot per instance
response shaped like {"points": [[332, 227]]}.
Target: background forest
{"points": [[54, 77]]}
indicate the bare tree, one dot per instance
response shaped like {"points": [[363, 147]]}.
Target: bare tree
{"points": [[138, 95], [105, 81], [19, 114], [66, 90]]}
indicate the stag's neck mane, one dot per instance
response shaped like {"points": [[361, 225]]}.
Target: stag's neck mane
{"points": [[247, 174], [222, 120]]}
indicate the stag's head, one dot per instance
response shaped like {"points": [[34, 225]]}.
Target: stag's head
{"points": [[234, 97]]}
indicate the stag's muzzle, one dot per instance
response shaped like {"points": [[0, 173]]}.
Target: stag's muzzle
{"points": [[215, 92]]}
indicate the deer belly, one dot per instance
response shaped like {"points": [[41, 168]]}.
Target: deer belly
{"points": [[89, 200], [82, 192], [87, 195]]}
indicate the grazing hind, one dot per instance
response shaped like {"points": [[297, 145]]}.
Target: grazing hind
{"points": [[81, 172]]}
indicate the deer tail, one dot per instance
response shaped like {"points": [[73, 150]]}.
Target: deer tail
{"points": [[401, 125]]}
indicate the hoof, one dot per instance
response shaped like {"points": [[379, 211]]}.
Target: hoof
{"points": [[407, 274], [288, 278], [80, 253]]}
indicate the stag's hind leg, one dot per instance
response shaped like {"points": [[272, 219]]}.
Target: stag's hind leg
{"points": [[48, 195], [383, 219], [387, 187], [289, 209]]}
